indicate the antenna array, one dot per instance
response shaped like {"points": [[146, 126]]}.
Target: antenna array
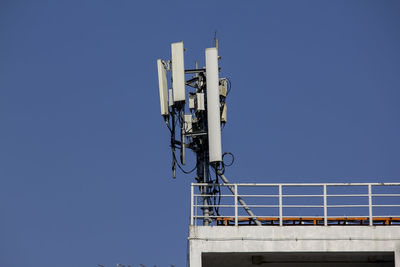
{"points": [[196, 124]]}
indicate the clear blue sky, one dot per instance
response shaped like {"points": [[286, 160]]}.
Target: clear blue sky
{"points": [[84, 156]]}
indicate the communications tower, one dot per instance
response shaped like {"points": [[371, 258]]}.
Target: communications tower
{"points": [[301, 225], [194, 109]]}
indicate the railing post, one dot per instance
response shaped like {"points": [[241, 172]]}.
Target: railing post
{"points": [[325, 207], [371, 218], [195, 211], [236, 206], [280, 206], [191, 203]]}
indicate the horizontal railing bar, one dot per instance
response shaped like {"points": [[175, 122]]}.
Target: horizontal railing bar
{"points": [[302, 195], [348, 195], [211, 205], [201, 195], [347, 206], [258, 195], [301, 185], [260, 206], [241, 195], [386, 216], [302, 206], [296, 206], [273, 196], [215, 216], [239, 206], [291, 217], [344, 195]]}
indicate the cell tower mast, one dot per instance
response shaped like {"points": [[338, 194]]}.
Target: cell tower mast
{"points": [[196, 124]]}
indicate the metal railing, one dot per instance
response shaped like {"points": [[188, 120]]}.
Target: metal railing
{"points": [[293, 204]]}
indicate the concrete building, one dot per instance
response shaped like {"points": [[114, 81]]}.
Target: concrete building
{"points": [[324, 244], [223, 246]]}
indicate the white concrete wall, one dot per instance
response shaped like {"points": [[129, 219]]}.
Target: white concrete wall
{"points": [[292, 239]]}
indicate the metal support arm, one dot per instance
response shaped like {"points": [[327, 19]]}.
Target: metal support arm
{"points": [[241, 201]]}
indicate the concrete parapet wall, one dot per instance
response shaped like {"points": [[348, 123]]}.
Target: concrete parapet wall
{"points": [[212, 239]]}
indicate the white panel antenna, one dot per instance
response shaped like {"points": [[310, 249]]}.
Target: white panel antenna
{"points": [[178, 71], [188, 123], [223, 115], [223, 87], [162, 85], [200, 101], [192, 97], [213, 105], [170, 98]]}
